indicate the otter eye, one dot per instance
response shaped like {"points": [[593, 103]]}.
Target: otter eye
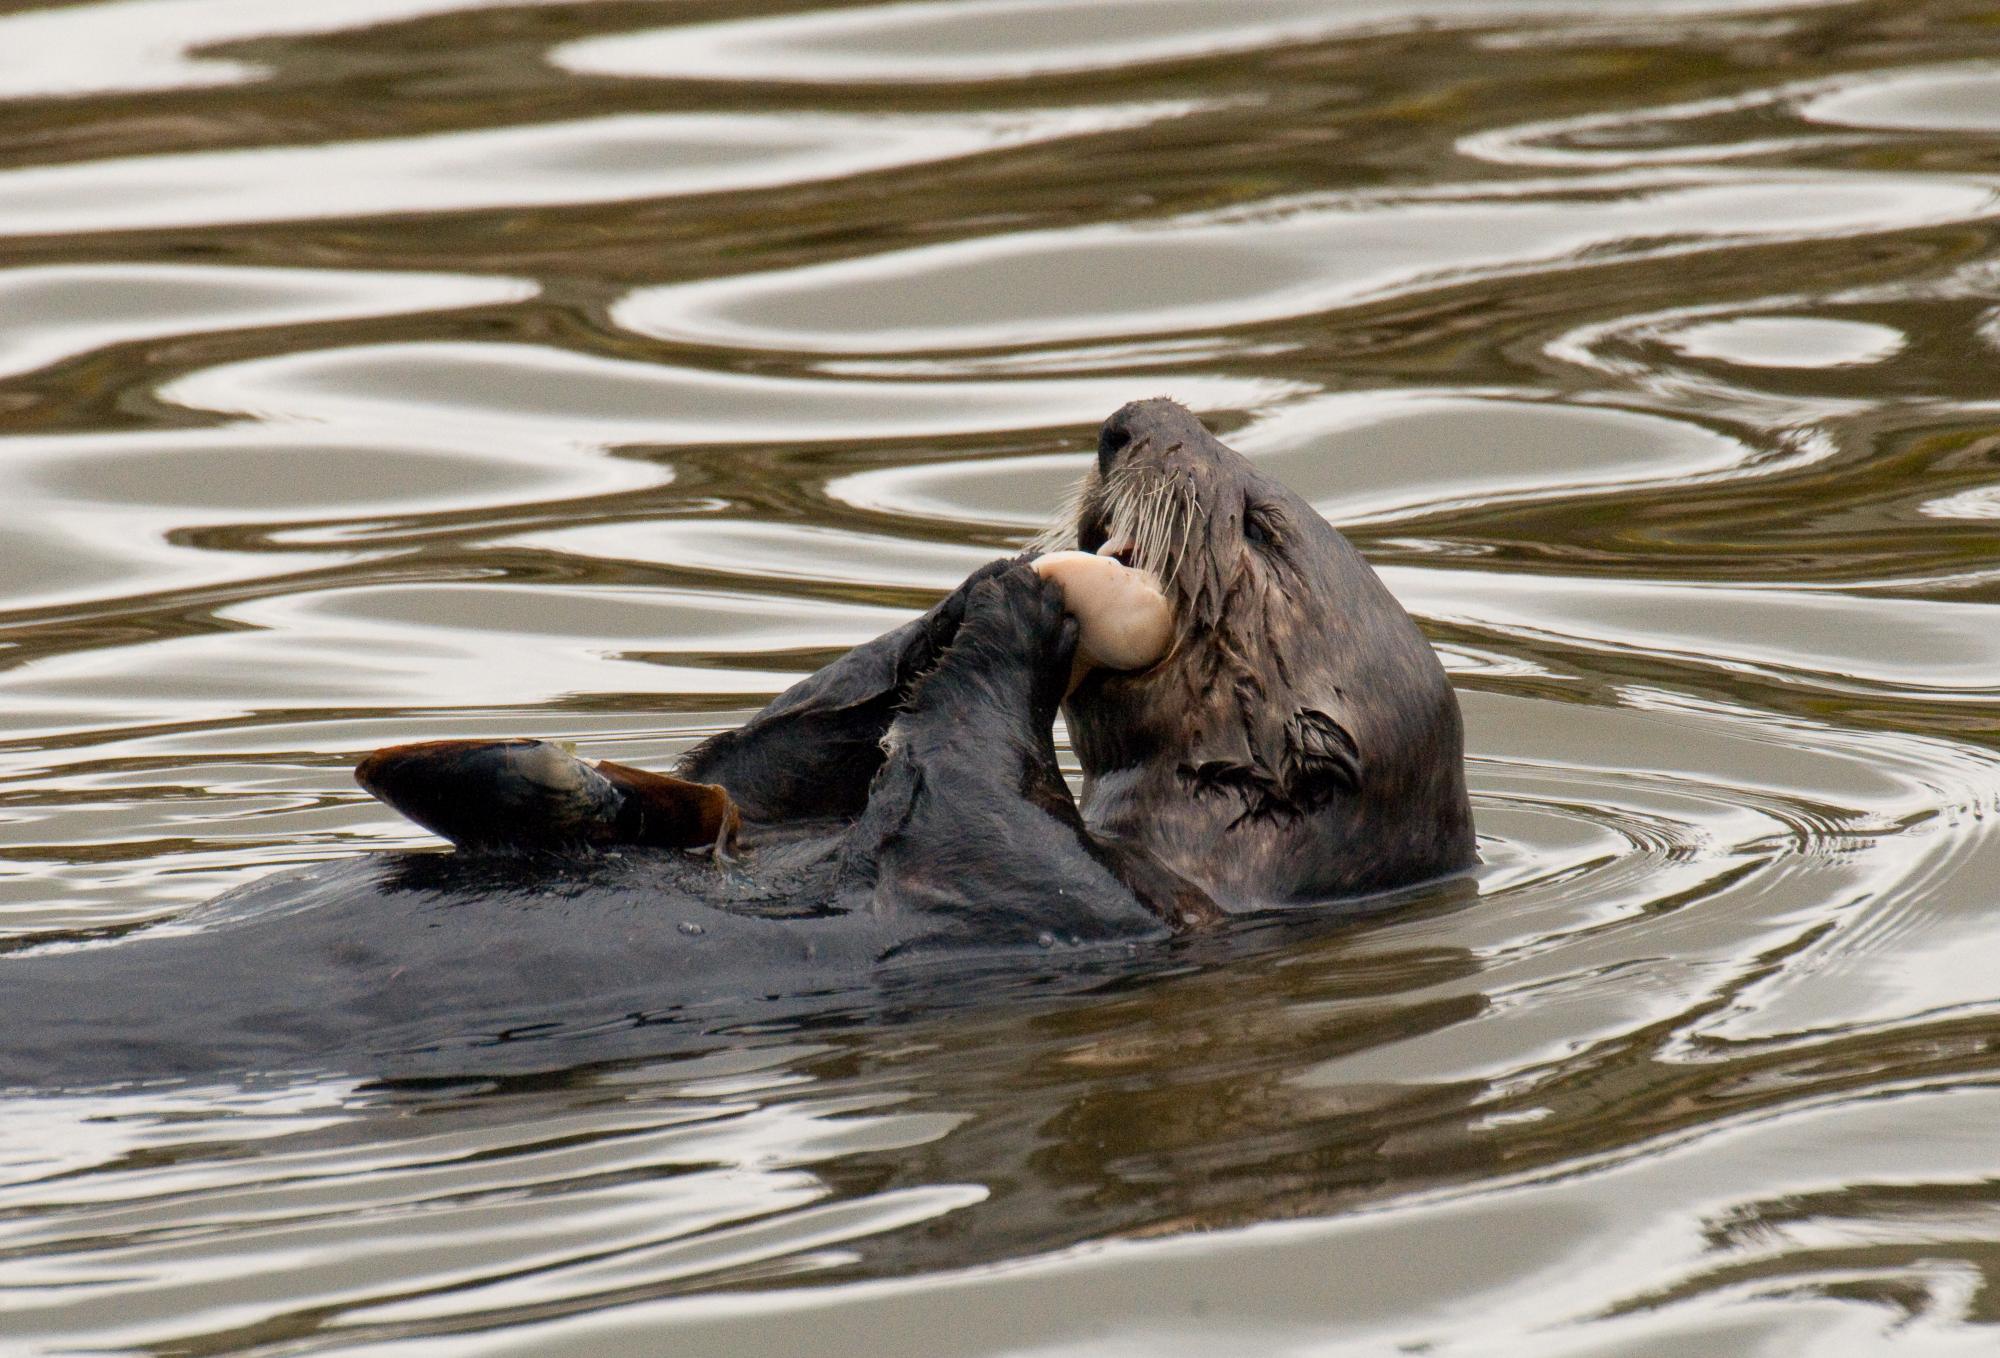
{"points": [[1259, 529]]}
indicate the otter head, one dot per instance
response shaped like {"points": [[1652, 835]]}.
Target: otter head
{"points": [[1298, 740]]}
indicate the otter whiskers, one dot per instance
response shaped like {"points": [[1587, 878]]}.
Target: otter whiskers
{"points": [[1156, 512]]}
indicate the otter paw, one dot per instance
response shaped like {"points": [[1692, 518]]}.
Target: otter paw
{"points": [[1014, 636], [940, 626], [1016, 612]]}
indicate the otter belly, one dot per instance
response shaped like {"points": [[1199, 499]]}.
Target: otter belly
{"points": [[435, 965]]}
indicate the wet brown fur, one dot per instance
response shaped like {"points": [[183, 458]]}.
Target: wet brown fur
{"points": [[1300, 741]]}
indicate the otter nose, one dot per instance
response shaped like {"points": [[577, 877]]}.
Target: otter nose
{"points": [[1158, 424], [1112, 440]]}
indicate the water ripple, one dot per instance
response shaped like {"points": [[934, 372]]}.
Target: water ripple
{"points": [[63, 310], [592, 160], [382, 371], [1282, 259], [1940, 99], [530, 394], [918, 42], [136, 45]]}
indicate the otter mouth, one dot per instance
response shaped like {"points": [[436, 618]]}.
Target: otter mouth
{"points": [[1118, 547], [1093, 530], [1140, 523], [1124, 620], [1142, 517]]}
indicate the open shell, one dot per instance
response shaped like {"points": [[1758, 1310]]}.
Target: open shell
{"points": [[1125, 620]]}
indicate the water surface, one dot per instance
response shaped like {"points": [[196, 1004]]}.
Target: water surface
{"points": [[380, 369]]}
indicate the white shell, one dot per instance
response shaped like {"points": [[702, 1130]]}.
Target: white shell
{"points": [[1124, 616]]}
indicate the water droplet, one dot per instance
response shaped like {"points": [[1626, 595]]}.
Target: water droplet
{"points": [[1046, 939], [690, 928]]}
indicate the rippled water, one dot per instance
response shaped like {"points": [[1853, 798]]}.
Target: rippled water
{"points": [[379, 369]]}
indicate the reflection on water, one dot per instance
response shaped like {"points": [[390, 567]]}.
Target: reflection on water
{"points": [[1284, 260], [1005, 39], [396, 368], [630, 156]]}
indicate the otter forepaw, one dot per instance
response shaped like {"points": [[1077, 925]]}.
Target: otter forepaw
{"points": [[939, 628], [1013, 637]]}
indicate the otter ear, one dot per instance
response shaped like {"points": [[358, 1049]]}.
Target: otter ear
{"points": [[1321, 758]]}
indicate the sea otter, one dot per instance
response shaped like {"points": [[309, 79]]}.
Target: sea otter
{"points": [[1288, 739]]}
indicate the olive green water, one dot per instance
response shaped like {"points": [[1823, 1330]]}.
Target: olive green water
{"points": [[379, 369]]}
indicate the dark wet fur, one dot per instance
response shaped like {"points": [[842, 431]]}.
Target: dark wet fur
{"points": [[1301, 742], [909, 814], [904, 826]]}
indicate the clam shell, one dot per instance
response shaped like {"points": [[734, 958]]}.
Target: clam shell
{"points": [[1125, 619]]}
